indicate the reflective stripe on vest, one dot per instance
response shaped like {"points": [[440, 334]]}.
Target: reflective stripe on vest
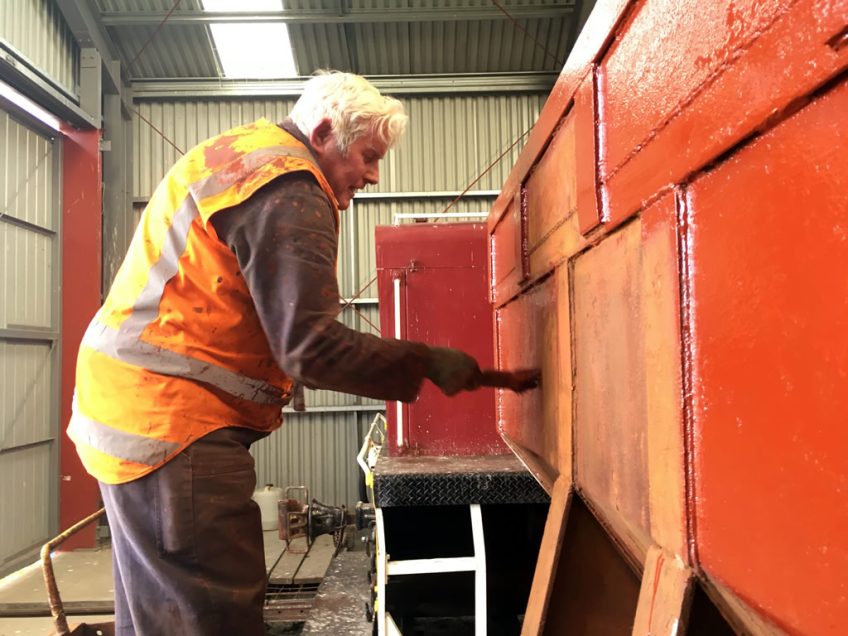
{"points": [[121, 444], [125, 343], [218, 182]]}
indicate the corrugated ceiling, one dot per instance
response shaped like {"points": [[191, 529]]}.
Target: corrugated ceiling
{"points": [[377, 37]]}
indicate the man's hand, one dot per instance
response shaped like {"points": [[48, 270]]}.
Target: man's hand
{"points": [[453, 370]]}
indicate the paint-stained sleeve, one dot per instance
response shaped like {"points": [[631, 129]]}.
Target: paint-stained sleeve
{"points": [[285, 240]]}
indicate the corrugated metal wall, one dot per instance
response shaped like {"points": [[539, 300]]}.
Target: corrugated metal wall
{"points": [[450, 141], [358, 268], [35, 31], [316, 450], [186, 123], [29, 343]]}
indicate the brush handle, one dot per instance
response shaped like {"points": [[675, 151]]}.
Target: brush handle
{"points": [[518, 381]]}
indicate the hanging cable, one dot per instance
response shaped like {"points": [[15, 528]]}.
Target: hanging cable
{"points": [[159, 132], [560, 63], [135, 59], [486, 171], [361, 291], [153, 35], [365, 318]]}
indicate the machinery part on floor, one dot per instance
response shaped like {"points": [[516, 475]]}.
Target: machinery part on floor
{"points": [[517, 381], [324, 519], [294, 516], [57, 610], [300, 517], [364, 515]]}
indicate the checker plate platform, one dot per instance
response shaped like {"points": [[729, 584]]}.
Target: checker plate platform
{"points": [[454, 480]]}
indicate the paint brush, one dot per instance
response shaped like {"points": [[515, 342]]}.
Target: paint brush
{"points": [[518, 381]]}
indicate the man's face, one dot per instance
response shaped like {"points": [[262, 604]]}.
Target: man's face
{"points": [[350, 171]]}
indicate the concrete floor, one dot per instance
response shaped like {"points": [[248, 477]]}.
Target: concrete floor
{"points": [[340, 604], [42, 626], [86, 575], [83, 575]]}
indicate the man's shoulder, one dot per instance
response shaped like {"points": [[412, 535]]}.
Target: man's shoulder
{"points": [[300, 182]]}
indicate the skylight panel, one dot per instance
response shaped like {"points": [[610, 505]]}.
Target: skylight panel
{"points": [[252, 50]]}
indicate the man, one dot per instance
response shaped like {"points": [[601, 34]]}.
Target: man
{"points": [[227, 296]]}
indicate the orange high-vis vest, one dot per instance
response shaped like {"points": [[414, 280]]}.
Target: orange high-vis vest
{"points": [[177, 350]]}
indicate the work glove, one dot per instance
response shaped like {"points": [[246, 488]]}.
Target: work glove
{"points": [[453, 370]]}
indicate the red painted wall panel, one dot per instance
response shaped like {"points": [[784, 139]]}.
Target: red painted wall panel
{"points": [[528, 328], [769, 247], [592, 41], [506, 257], [736, 113], [671, 104], [586, 151], [81, 262], [665, 56], [610, 418]]}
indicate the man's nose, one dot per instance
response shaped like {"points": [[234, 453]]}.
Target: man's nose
{"points": [[372, 175]]}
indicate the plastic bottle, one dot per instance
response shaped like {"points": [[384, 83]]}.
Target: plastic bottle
{"points": [[267, 499]]}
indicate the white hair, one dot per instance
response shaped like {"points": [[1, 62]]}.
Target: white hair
{"points": [[353, 106]]}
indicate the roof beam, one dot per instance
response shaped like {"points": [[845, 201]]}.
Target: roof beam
{"points": [[354, 15], [90, 33], [17, 73], [492, 83]]}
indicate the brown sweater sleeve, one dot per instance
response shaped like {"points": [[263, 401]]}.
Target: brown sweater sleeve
{"points": [[285, 240]]}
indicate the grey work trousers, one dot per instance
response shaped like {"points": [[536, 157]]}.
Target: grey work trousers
{"points": [[187, 543]]}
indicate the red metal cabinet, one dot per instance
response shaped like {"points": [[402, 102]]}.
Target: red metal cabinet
{"points": [[432, 287]]}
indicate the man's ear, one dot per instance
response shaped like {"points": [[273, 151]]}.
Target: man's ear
{"points": [[321, 136]]}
